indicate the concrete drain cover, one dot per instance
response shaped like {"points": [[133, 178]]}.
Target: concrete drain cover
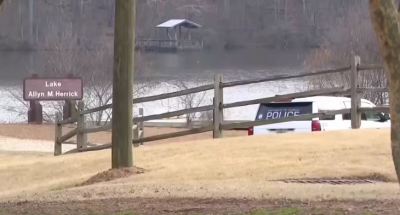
{"points": [[328, 181]]}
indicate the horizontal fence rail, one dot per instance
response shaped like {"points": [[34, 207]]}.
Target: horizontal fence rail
{"points": [[176, 134], [354, 92], [151, 117], [68, 121], [369, 67], [384, 109], [173, 113], [373, 89], [156, 97], [338, 90], [284, 77], [68, 135], [150, 139], [90, 149], [96, 129]]}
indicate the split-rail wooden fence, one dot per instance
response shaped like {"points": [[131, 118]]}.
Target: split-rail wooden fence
{"points": [[218, 107]]}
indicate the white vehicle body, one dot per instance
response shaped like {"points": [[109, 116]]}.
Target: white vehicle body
{"points": [[311, 105]]}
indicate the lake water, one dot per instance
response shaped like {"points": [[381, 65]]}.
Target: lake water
{"points": [[192, 68]]}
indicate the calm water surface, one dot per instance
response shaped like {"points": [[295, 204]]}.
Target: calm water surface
{"points": [[180, 66], [193, 68]]}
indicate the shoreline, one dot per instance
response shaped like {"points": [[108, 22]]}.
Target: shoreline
{"points": [[19, 109]]}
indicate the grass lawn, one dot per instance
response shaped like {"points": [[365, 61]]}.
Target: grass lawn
{"points": [[241, 168], [229, 167]]}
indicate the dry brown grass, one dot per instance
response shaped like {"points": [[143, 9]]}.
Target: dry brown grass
{"points": [[46, 132], [229, 167]]}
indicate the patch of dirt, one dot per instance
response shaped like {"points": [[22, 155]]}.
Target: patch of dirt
{"points": [[112, 174], [151, 206]]}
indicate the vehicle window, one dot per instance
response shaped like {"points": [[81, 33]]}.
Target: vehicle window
{"points": [[331, 117], [346, 116], [281, 110], [369, 116]]}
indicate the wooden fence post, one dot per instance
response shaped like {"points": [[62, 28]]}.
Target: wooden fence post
{"points": [[57, 134], [141, 125], [138, 129], [135, 133], [355, 98], [81, 138], [218, 101]]}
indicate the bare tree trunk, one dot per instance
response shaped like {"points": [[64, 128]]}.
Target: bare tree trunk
{"points": [[110, 9], [286, 14], [227, 10], [385, 20], [398, 8], [31, 22], [279, 12], [77, 20]]}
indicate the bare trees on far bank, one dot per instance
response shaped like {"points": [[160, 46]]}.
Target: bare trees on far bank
{"points": [[62, 55], [273, 24], [187, 102], [353, 35]]}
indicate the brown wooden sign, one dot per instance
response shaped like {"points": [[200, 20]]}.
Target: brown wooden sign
{"points": [[53, 89]]}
